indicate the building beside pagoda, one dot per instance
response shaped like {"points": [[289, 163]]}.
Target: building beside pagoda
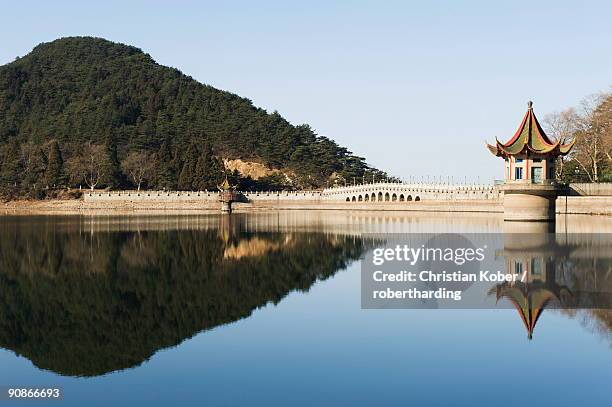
{"points": [[529, 187]]}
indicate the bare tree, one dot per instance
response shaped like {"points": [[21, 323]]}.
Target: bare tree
{"points": [[562, 126], [89, 165], [590, 136], [603, 123], [139, 167], [33, 162]]}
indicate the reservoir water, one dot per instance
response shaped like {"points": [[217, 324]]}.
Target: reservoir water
{"points": [[265, 308]]}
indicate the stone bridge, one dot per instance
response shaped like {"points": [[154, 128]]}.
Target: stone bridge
{"points": [[376, 192], [401, 192]]}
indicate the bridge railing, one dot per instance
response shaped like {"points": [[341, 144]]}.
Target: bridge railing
{"points": [[435, 186]]}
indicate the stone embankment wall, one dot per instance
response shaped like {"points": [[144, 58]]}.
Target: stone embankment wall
{"points": [[588, 205], [150, 196], [380, 197], [587, 189], [377, 197], [587, 198]]}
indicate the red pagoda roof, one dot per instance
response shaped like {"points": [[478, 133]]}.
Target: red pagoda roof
{"points": [[529, 139], [529, 303]]}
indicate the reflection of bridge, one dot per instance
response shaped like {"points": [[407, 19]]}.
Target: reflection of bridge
{"points": [[397, 192]]}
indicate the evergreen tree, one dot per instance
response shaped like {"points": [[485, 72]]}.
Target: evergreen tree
{"points": [[209, 171], [187, 178], [166, 175], [113, 176], [12, 169], [55, 174], [34, 162]]}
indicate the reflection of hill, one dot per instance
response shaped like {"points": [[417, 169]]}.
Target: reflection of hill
{"points": [[90, 303], [254, 247]]}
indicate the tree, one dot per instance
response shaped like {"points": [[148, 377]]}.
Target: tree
{"points": [[591, 137], [603, 124], [562, 126], [112, 172], [33, 164], [139, 167], [89, 166], [186, 179], [209, 170], [165, 171], [12, 168], [55, 174], [591, 127]]}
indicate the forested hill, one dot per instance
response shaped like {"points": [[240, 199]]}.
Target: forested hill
{"points": [[87, 111]]}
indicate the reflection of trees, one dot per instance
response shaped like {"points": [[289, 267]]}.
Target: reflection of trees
{"points": [[601, 322], [598, 321], [86, 304]]}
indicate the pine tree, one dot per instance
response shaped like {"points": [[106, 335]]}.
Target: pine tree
{"points": [[201, 169], [34, 164], [166, 174], [209, 171], [12, 169], [187, 178], [112, 173], [55, 174], [216, 172]]}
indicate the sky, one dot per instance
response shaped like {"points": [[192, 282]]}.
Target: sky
{"points": [[414, 87]]}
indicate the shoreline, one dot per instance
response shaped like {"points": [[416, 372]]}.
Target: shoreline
{"points": [[595, 206]]}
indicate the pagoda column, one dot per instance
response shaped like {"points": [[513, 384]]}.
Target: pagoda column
{"points": [[530, 202], [527, 199]]}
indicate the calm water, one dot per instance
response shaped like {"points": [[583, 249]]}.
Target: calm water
{"points": [[265, 309]]}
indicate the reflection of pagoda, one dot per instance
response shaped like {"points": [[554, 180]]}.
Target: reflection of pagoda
{"points": [[530, 300], [538, 285]]}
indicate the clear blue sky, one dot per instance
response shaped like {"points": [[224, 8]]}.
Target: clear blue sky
{"points": [[415, 87]]}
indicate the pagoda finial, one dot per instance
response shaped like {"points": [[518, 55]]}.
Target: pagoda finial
{"points": [[530, 105], [225, 185]]}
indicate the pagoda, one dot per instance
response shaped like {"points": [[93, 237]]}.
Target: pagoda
{"points": [[227, 195], [529, 157]]}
